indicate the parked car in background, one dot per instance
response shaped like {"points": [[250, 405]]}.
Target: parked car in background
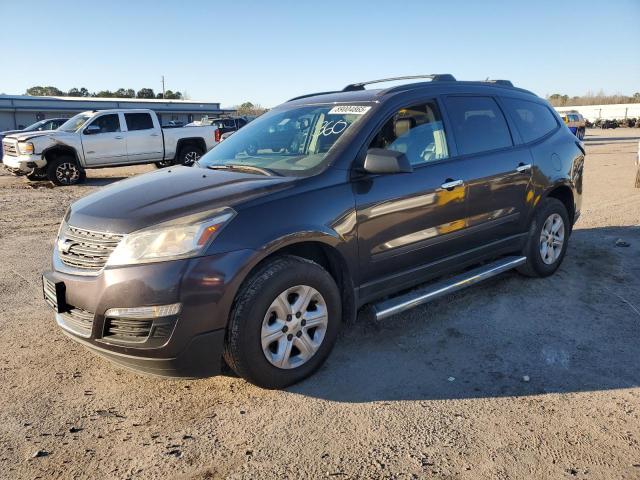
{"points": [[258, 256], [227, 125], [103, 138], [42, 125], [606, 124], [576, 123], [174, 124]]}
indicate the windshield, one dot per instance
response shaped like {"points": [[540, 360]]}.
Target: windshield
{"points": [[75, 123], [35, 126], [290, 142]]}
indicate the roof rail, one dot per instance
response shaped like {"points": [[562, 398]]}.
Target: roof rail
{"points": [[442, 77], [506, 83], [311, 95]]}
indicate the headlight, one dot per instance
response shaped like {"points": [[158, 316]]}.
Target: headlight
{"points": [[25, 148], [182, 238]]}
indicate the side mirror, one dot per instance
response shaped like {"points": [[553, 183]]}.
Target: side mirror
{"points": [[379, 160], [92, 130]]}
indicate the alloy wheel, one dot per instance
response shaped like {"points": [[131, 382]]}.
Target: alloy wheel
{"points": [[67, 173], [191, 157], [294, 327], [552, 239]]}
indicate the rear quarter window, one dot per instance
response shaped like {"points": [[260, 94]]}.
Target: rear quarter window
{"points": [[532, 119], [478, 124]]}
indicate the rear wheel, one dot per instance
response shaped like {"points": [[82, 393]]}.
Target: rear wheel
{"points": [[284, 323], [548, 239], [65, 171], [189, 154]]}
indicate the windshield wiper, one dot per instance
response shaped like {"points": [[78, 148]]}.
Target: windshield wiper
{"points": [[249, 168]]}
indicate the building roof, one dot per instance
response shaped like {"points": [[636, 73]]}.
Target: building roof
{"points": [[33, 103]]}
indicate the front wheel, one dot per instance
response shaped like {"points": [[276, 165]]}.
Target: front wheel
{"points": [[548, 239], [65, 171], [284, 323]]}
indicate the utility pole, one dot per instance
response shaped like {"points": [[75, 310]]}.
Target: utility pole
{"points": [[163, 86]]}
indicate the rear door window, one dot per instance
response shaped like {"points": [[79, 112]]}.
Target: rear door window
{"points": [[138, 121], [478, 123], [532, 119]]}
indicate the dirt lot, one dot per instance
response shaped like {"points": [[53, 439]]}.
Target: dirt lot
{"points": [[435, 393]]}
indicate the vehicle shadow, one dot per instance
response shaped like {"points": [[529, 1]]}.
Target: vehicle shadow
{"points": [[101, 181], [575, 331]]}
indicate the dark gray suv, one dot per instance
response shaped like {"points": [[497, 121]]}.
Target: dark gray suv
{"points": [[255, 256]]}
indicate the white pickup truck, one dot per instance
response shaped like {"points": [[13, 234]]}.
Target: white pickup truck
{"points": [[103, 138]]}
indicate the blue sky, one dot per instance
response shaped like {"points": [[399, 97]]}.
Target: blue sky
{"points": [[266, 51]]}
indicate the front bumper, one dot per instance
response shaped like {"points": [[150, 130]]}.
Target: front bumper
{"points": [[188, 344], [23, 163]]}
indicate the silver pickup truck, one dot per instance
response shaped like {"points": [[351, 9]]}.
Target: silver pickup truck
{"points": [[103, 138]]}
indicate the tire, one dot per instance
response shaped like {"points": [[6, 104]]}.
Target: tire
{"points": [[541, 261], [163, 163], [189, 154], [65, 171], [38, 174], [257, 305]]}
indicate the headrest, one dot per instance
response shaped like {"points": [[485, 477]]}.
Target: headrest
{"points": [[402, 126]]}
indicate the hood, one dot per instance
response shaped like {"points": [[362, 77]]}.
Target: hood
{"points": [[9, 132], [163, 195], [24, 136]]}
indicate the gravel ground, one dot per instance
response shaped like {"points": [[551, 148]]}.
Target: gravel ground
{"points": [[516, 378]]}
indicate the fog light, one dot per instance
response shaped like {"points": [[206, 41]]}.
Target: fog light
{"points": [[155, 311]]}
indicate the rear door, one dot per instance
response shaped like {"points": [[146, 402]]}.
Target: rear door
{"points": [[499, 170], [104, 143], [144, 138]]}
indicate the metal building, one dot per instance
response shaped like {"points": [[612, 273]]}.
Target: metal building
{"points": [[617, 111], [19, 111]]}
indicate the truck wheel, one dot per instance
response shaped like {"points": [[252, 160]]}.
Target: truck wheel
{"points": [[189, 154], [163, 163], [37, 174], [284, 323], [65, 171], [548, 238]]}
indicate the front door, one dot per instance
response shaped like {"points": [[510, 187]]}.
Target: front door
{"points": [[408, 220], [103, 141]]}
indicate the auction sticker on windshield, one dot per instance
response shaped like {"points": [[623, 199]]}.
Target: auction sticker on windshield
{"points": [[349, 110]]}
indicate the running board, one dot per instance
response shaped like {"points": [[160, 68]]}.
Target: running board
{"points": [[430, 292]]}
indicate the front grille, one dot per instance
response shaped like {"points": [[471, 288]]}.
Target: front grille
{"points": [[86, 249], [10, 148], [75, 320], [128, 330], [78, 321]]}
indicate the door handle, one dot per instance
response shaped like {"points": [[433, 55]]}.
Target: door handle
{"points": [[155, 135], [118, 137], [523, 167], [451, 184]]}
